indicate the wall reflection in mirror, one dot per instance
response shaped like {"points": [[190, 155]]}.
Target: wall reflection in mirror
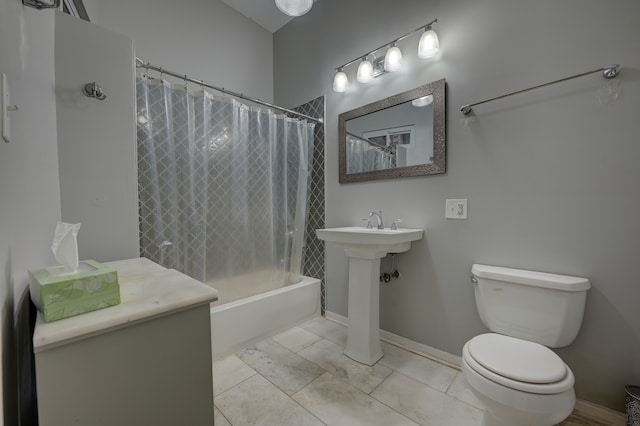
{"points": [[403, 135]]}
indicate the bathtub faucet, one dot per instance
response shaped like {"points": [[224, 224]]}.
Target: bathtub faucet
{"points": [[378, 216]]}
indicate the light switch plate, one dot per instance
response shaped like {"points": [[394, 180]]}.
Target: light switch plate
{"points": [[456, 209]]}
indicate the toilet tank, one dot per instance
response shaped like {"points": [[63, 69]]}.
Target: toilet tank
{"points": [[534, 306]]}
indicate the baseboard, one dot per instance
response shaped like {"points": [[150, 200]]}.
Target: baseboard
{"points": [[434, 354], [584, 409], [597, 413]]}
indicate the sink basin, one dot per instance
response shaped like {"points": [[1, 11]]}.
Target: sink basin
{"points": [[366, 243], [365, 247], [359, 235]]}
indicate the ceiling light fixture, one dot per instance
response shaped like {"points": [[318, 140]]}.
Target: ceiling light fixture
{"points": [[428, 47], [294, 7]]}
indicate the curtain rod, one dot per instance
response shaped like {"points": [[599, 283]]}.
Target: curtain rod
{"points": [[146, 65], [608, 72], [372, 143]]}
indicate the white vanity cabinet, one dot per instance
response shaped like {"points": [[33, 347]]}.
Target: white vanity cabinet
{"points": [[146, 361]]}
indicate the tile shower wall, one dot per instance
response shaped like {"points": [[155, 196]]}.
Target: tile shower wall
{"points": [[314, 259]]}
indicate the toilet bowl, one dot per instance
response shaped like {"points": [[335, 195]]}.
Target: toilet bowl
{"points": [[511, 370], [518, 382]]}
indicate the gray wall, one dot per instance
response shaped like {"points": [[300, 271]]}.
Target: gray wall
{"points": [[551, 175], [204, 39], [29, 193], [96, 139]]}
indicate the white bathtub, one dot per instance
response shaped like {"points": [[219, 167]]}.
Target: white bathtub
{"points": [[238, 324]]}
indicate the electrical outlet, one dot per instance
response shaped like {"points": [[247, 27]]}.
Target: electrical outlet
{"points": [[456, 209]]}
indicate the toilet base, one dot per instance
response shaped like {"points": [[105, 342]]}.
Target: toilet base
{"points": [[505, 406], [489, 419]]}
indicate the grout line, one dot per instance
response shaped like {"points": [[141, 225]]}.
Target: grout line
{"points": [[387, 405], [221, 413], [304, 387], [319, 335], [424, 384], [242, 381], [381, 381], [293, 400], [273, 361], [237, 384], [451, 384], [247, 364], [302, 348]]}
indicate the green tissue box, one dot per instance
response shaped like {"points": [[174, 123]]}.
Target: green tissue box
{"points": [[93, 286]]}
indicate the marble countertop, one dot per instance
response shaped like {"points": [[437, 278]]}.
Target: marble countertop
{"points": [[147, 290]]}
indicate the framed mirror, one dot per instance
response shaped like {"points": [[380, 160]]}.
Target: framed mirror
{"points": [[400, 136]]}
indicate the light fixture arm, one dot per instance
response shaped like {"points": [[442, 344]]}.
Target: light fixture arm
{"points": [[392, 42]]}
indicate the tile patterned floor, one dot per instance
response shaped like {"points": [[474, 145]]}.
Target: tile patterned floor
{"points": [[301, 377]]}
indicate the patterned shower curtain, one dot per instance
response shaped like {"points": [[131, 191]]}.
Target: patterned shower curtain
{"points": [[223, 187], [363, 157]]}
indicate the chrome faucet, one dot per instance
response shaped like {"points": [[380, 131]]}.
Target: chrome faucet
{"points": [[378, 216]]}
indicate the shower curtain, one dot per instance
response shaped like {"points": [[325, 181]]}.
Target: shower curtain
{"points": [[363, 157], [223, 187]]}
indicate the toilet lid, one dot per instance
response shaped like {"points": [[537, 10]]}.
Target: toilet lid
{"points": [[517, 359]]}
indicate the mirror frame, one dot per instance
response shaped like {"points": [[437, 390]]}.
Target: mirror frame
{"points": [[438, 166]]}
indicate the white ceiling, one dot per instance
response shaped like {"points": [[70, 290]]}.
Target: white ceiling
{"points": [[262, 12]]}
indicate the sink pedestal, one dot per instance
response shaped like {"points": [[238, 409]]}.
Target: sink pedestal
{"points": [[365, 248], [363, 333], [363, 338]]}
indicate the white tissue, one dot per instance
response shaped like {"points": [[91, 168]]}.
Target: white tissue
{"points": [[65, 246]]}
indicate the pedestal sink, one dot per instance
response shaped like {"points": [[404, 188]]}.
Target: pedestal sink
{"points": [[365, 247]]}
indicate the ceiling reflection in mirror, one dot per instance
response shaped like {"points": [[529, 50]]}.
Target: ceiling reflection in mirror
{"points": [[403, 135]]}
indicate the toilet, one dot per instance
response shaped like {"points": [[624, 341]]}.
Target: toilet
{"points": [[511, 370]]}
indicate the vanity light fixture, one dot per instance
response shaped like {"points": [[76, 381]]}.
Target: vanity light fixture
{"points": [[365, 71], [429, 44], [294, 7], [393, 59], [428, 47], [340, 81]]}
